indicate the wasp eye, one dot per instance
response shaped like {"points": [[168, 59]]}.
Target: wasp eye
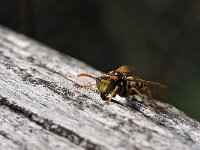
{"points": [[111, 72], [104, 77]]}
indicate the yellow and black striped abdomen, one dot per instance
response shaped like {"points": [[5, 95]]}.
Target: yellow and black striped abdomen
{"points": [[137, 85]]}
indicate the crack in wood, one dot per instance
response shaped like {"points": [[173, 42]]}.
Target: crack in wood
{"points": [[4, 134], [64, 92], [50, 126]]}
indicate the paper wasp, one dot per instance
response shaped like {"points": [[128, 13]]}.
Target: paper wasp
{"points": [[117, 82]]}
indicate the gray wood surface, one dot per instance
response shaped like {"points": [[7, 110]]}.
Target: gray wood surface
{"points": [[40, 108]]}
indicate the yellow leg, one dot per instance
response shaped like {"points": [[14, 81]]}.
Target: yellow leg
{"points": [[143, 98], [149, 95], [113, 94]]}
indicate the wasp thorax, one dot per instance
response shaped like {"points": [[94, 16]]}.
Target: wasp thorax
{"points": [[115, 73]]}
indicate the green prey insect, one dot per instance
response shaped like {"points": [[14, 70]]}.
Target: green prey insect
{"points": [[117, 82]]}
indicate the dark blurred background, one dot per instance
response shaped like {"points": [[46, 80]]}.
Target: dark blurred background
{"points": [[161, 39]]}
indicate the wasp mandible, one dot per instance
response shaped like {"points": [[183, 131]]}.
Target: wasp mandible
{"points": [[117, 82]]}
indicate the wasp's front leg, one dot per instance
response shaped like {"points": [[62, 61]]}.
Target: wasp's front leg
{"points": [[113, 94]]}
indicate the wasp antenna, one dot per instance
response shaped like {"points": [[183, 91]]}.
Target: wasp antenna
{"points": [[85, 75]]}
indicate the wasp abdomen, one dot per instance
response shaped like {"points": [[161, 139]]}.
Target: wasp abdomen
{"points": [[137, 85]]}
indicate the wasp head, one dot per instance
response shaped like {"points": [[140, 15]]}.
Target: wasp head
{"points": [[104, 85]]}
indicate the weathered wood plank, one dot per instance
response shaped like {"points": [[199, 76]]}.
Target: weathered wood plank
{"points": [[38, 84], [21, 133]]}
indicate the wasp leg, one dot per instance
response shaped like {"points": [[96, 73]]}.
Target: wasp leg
{"points": [[149, 95], [113, 94], [84, 86], [143, 98]]}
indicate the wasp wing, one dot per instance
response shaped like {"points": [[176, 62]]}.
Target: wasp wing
{"points": [[125, 69], [137, 79]]}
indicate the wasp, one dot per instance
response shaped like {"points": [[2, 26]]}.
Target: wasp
{"points": [[117, 82]]}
